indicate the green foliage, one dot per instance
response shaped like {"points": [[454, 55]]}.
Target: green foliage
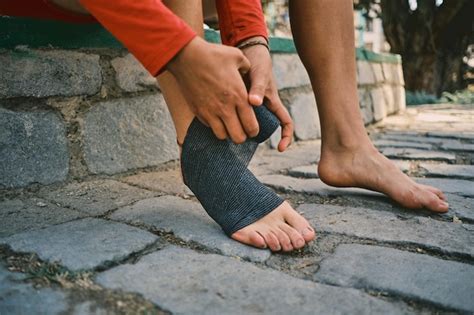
{"points": [[419, 98], [459, 97]]}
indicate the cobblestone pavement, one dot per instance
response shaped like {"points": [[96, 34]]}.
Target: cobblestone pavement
{"points": [[141, 243]]}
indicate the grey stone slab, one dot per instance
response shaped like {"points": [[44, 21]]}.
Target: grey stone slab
{"points": [[402, 144], [188, 221], [306, 171], [128, 133], [454, 186], [457, 146], [185, 282], [410, 137], [18, 215], [84, 244], [415, 154], [385, 226], [130, 74], [447, 170], [169, 182], [445, 283], [17, 297], [461, 207], [268, 161], [310, 186], [305, 117], [455, 135], [42, 73], [88, 308], [96, 197], [33, 148], [289, 71]]}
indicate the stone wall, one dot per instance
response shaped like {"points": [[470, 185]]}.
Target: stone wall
{"points": [[72, 109]]}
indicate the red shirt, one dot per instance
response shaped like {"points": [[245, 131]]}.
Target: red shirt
{"points": [[148, 29]]}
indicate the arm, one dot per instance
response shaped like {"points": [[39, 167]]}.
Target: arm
{"points": [[150, 31]]}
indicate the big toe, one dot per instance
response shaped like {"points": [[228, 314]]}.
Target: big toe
{"points": [[250, 237], [433, 202], [300, 224]]}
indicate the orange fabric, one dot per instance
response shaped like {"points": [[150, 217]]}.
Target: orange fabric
{"points": [[150, 31]]}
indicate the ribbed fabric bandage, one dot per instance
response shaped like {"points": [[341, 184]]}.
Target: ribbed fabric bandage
{"points": [[216, 172]]}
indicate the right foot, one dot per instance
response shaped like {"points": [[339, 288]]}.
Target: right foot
{"points": [[282, 229]]}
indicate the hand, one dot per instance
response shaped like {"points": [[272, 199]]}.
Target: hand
{"points": [[210, 79], [262, 84]]}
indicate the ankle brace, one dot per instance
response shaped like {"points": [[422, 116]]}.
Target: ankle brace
{"points": [[216, 172]]}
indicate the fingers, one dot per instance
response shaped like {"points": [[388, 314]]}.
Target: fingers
{"points": [[234, 127], [276, 106], [248, 120], [243, 64], [258, 86], [218, 128]]}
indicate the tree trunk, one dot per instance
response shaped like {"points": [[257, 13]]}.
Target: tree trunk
{"points": [[431, 40]]}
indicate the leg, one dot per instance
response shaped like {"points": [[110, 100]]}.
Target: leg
{"points": [[324, 36]]}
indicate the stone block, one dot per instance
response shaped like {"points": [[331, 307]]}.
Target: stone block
{"points": [[168, 182], [446, 170], [188, 221], [84, 244], [379, 103], [17, 297], [96, 197], [392, 227], [306, 171], [455, 186], [289, 71], [389, 72], [397, 70], [18, 215], [365, 103], [365, 74], [388, 93], [305, 116], [378, 72], [183, 281], [40, 73], [33, 148], [415, 154], [399, 98], [128, 133], [381, 143], [445, 283], [130, 75]]}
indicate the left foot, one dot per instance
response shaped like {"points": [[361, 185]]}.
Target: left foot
{"points": [[365, 167]]}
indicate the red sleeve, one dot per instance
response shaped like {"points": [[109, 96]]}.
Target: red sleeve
{"points": [[239, 20], [149, 30]]}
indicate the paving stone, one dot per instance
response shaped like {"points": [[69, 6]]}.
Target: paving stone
{"points": [[17, 297], [289, 71], [440, 282], [379, 104], [310, 186], [457, 146], [461, 207], [188, 221], [185, 282], [33, 148], [130, 74], [415, 154], [411, 138], [455, 135], [84, 244], [30, 214], [128, 133], [169, 182], [96, 197], [306, 171], [42, 73], [365, 74], [88, 308], [385, 226], [455, 186], [305, 116], [447, 170], [402, 144], [275, 138], [271, 161]]}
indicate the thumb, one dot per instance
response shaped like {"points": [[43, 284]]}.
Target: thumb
{"points": [[257, 88]]}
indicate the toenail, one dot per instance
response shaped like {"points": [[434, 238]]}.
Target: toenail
{"points": [[299, 243]]}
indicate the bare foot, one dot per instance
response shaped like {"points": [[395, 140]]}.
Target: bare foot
{"points": [[365, 167], [282, 229]]}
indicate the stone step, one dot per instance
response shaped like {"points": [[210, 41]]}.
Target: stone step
{"points": [[447, 170], [187, 220], [415, 154], [383, 226], [185, 282], [412, 276]]}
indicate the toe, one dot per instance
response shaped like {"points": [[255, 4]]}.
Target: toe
{"points": [[435, 191], [296, 238], [432, 202], [249, 237], [284, 240], [272, 241], [296, 221]]}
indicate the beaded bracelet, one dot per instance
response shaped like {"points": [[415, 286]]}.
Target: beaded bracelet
{"points": [[253, 43]]}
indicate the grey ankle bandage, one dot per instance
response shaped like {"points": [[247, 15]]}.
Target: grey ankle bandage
{"points": [[216, 172]]}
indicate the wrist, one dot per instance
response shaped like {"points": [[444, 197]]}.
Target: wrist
{"points": [[188, 50], [255, 41]]}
